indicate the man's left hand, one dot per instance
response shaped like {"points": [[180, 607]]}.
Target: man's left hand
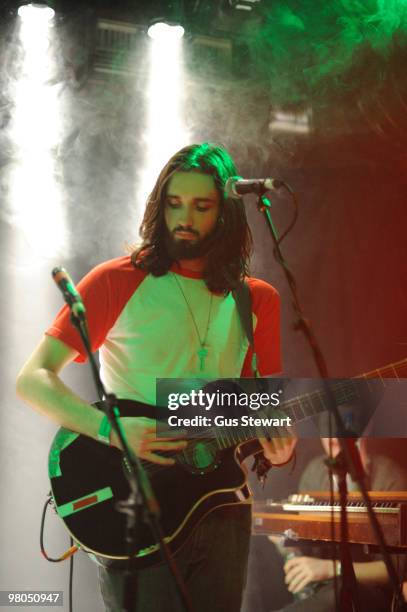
{"points": [[278, 450]]}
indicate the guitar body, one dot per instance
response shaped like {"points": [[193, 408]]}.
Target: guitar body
{"points": [[88, 479]]}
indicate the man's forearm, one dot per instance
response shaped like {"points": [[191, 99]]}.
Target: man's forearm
{"points": [[46, 393]]}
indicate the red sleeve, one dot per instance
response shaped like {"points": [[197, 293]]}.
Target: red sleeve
{"points": [[266, 307], [105, 290]]}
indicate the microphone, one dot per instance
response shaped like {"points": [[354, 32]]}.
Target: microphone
{"points": [[71, 295], [236, 186]]}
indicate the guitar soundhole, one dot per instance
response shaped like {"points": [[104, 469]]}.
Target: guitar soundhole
{"points": [[200, 457]]}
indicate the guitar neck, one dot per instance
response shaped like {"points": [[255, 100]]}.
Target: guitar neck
{"points": [[306, 405], [393, 370]]}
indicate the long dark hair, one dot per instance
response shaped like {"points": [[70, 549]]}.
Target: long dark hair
{"points": [[227, 260]]}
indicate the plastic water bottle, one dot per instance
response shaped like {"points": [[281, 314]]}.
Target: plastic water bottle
{"points": [[289, 553]]}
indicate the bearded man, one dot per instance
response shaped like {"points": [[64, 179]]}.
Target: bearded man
{"points": [[167, 311]]}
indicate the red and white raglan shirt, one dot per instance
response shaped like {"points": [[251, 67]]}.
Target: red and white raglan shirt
{"points": [[144, 330]]}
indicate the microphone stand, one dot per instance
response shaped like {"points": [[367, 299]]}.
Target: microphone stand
{"points": [[348, 597], [349, 460], [141, 503]]}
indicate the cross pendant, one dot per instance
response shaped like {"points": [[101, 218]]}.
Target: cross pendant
{"points": [[202, 353]]}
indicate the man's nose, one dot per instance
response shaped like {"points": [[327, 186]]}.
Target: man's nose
{"points": [[186, 219]]}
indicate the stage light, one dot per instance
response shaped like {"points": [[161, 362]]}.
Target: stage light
{"points": [[162, 30], [36, 130], [36, 12], [165, 131]]}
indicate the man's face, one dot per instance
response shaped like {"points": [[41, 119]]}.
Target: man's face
{"points": [[191, 212]]}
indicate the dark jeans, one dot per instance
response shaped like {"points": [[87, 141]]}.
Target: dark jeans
{"points": [[212, 562]]}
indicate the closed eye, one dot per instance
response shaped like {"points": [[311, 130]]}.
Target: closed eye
{"points": [[200, 207]]}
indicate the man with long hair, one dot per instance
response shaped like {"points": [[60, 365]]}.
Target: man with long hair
{"points": [[167, 311], [227, 246]]}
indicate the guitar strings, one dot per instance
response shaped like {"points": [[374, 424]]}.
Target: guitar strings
{"points": [[343, 391]]}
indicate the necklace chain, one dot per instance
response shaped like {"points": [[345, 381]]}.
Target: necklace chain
{"points": [[203, 351]]}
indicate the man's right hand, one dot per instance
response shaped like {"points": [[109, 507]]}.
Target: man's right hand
{"points": [[141, 435]]}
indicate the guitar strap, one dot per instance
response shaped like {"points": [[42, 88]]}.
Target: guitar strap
{"points": [[243, 301]]}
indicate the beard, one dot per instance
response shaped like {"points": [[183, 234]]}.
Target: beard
{"points": [[188, 249]]}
